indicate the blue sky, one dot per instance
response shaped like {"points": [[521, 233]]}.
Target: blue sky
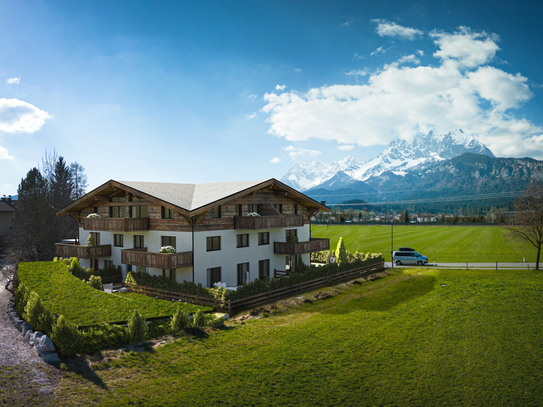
{"points": [[210, 91]]}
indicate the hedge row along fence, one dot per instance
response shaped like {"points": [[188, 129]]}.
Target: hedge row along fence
{"points": [[296, 283]]}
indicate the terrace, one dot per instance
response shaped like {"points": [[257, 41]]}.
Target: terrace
{"points": [[294, 249], [116, 224], [267, 222], [140, 257], [82, 252]]}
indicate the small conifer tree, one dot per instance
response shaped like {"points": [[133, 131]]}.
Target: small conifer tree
{"points": [[341, 252], [90, 240], [38, 316], [65, 336], [137, 328], [180, 321]]}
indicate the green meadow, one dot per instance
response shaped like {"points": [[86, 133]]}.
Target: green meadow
{"points": [[445, 244], [423, 337]]}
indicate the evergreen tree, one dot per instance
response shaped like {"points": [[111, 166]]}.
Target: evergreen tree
{"points": [[341, 252]]}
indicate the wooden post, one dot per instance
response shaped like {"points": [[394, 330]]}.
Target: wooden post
{"points": [[229, 307]]}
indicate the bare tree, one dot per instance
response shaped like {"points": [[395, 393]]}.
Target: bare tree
{"points": [[79, 180], [528, 218]]}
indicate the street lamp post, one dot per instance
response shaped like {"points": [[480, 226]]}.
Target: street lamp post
{"points": [[392, 242]]}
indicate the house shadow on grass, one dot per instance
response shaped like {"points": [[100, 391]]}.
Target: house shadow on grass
{"points": [[389, 296], [81, 367]]}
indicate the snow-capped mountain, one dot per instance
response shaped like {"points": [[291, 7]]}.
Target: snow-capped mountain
{"points": [[399, 157]]}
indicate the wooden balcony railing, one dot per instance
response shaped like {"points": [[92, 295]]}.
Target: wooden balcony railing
{"points": [[294, 249], [140, 257], [82, 252], [116, 224], [267, 222]]}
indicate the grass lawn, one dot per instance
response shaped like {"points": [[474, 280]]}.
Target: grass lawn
{"points": [[445, 244], [423, 337], [66, 295]]}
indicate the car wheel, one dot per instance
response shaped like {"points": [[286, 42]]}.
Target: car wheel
{"points": [[419, 263], [398, 263]]}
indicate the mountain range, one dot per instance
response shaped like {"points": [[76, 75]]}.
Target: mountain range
{"points": [[431, 165]]}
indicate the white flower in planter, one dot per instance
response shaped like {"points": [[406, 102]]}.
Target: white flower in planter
{"points": [[93, 215], [253, 214], [167, 249]]}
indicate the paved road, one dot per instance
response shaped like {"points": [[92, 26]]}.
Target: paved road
{"points": [[516, 266]]}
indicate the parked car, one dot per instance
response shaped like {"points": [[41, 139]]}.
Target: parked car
{"points": [[409, 257]]}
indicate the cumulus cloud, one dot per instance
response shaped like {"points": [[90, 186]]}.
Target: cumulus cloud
{"points": [[466, 47], [17, 116], [275, 160], [388, 29], [345, 147], [459, 91], [280, 87], [4, 155], [13, 81], [295, 153]]}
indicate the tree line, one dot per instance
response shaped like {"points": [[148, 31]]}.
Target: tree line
{"points": [[46, 189]]}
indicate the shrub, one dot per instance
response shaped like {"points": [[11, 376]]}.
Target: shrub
{"points": [[102, 336], [199, 319], [37, 315], [137, 328], [167, 249], [180, 321], [65, 336], [96, 282], [341, 252], [90, 240], [22, 295]]}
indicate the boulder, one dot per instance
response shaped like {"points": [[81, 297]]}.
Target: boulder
{"points": [[19, 324], [45, 344], [50, 357], [26, 327], [28, 335], [34, 338]]}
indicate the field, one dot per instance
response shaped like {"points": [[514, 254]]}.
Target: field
{"points": [[445, 244], [424, 337]]}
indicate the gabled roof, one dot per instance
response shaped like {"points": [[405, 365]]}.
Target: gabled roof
{"points": [[188, 199], [4, 207]]}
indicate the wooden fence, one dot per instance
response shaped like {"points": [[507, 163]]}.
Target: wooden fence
{"points": [[268, 296]]}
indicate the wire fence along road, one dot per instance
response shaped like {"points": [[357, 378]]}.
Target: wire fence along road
{"points": [[495, 266]]}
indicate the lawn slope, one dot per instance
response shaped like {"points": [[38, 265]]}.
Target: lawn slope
{"points": [[415, 338]]}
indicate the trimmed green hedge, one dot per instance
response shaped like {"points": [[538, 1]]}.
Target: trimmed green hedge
{"points": [[108, 273], [310, 273], [163, 283]]}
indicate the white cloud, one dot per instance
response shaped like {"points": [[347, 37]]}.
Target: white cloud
{"points": [[345, 147], [297, 70], [253, 96], [388, 29], [357, 56], [14, 81], [466, 47], [252, 116], [275, 160], [356, 73], [347, 23], [420, 52], [17, 116], [378, 51], [402, 101], [280, 87], [294, 152], [4, 155]]}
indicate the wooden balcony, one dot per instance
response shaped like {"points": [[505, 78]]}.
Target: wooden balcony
{"points": [[140, 257], [268, 222], [294, 249], [82, 252], [116, 224]]}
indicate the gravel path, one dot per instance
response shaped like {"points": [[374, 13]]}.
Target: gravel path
{"points": [[24, 377]]}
